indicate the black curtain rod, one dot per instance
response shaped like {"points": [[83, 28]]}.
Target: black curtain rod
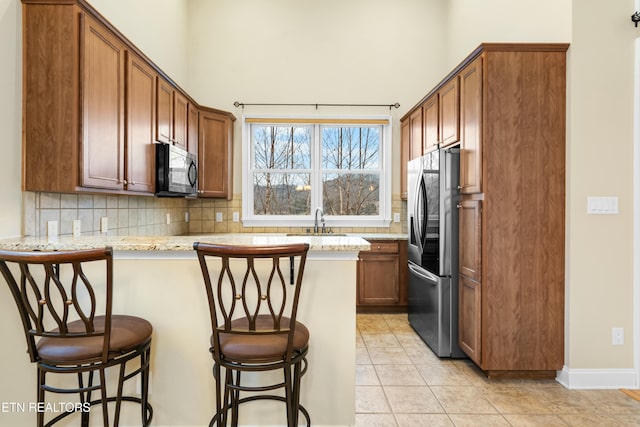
{"points": [[396, 105]]}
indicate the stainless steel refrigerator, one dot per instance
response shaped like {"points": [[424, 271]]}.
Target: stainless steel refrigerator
{"points": [[432, 198]]}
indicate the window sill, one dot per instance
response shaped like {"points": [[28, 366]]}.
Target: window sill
{"points": [[309, 223]]}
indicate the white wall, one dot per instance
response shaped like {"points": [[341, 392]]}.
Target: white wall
{"points": [[600, 163], [157, 27], [471, 22], [333, 51], [10, 118]]}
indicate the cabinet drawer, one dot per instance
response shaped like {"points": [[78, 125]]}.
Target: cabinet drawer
{"points": [[383, 247]]}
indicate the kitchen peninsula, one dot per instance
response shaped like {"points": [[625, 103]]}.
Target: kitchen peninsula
{"points": [[159, 278]]}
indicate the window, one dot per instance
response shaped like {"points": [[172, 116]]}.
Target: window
{"points": [[292, 167]]}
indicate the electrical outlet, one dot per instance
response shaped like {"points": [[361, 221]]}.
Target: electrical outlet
{"points": [[168, 218], [104, 224], [396, 217], [77, 227], [52, 228], [617, 336], [236, 216], [218, 216]]}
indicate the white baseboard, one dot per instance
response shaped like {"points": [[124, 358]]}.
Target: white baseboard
{"points": [[597, 378]]}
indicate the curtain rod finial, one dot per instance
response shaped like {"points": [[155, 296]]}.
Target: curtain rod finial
{"points": [[237, 104]]}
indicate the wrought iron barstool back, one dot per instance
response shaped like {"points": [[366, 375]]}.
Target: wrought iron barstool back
{"points": [[69, 330], [253, 303]]}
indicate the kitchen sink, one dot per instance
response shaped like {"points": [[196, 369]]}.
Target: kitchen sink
{"points": [[316, 234]]}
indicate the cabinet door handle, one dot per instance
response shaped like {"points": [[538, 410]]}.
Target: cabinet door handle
{"points": [[124, 182], [458, 206], [459, 187]]}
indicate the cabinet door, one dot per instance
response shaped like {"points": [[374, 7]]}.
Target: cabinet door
{"points": [[141, 105], [405, 136], [215, 156], [180, 119], [378, 278], [415, 141], [164, 112], [192, 130], [470, 318], [431, 125], [471, 125], [103, 61], [470, 219], [449, 117]]}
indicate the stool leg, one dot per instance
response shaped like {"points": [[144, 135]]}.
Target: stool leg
{"points": [[235, 396], [84, 416], [41, 382], [103, 395], [144, 386], [116, 416], [288, 392], [296, 392]]}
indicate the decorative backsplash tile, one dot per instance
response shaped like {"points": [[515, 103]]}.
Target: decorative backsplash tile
{"points": [[126, 215], [147, 216]]}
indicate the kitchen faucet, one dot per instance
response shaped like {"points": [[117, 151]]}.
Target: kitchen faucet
{"points": [[315, 225]]}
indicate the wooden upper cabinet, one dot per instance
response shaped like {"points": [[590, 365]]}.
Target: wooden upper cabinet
{"points": [[415, 135], [103, 84], [93, 105], [471, 128], [164, 112], [431, 134], [192, 130], [405, 136], [215, 155], [449, 118], [180, 119], [141, 119]]}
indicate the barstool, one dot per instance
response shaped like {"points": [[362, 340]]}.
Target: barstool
{"points": [[253, 303], [69, 331]]}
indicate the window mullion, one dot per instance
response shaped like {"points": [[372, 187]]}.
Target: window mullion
{"points": [[316, 187]]}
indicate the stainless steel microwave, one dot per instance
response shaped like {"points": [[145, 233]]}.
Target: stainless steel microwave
{"points": [[176, 171]]}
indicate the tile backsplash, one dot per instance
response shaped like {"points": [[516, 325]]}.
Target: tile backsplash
{"points": [[126, 215], [147, 216]]}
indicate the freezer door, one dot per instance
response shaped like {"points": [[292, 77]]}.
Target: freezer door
{"points": [[430, 309]]}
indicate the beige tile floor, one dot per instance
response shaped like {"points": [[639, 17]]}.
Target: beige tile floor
{"points": [[401, 383]]}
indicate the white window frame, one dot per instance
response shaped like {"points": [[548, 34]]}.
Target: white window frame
{"points": [[383, 219]]}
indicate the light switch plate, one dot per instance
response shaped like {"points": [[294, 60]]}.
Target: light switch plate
{"points": [[104, 224], [396, 217], [218, 216], [602, 205], [168, 218], [77, 228]]}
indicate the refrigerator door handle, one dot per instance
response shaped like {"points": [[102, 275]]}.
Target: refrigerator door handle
{"points": [[423, 274]]}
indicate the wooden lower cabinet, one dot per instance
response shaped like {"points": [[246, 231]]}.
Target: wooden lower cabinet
{"points": [[382, 277], [470, 317]]}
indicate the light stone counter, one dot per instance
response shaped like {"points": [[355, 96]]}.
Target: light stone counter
{"points": [[329, 243]]}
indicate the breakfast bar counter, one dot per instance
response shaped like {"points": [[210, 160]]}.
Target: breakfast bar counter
{"points": [[159, 279]]}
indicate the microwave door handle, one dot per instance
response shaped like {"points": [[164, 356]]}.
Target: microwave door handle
{"points": [[192, 174]]}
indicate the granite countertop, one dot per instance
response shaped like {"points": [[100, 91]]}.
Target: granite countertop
{"points": [[330, 243]]}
